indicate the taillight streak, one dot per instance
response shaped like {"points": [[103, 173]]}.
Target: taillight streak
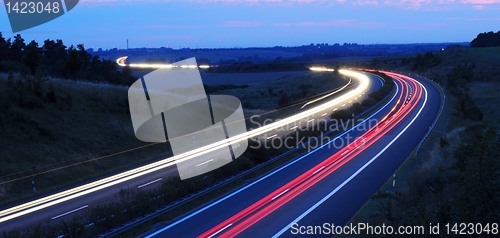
{"points": [[300, 184]]}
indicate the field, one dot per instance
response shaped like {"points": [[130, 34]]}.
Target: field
{"points": [[212, 55], [67, 132], [236, 78], [487, 96], [454, 177]]}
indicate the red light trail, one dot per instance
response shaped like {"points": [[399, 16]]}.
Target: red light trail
{"points": [[270, 203]]}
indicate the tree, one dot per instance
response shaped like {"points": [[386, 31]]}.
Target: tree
{"points": [[73, 62], [54, 52], [127, 71], [84, 56], [426, 61], [4, 47], [284, 100], [270, 91], [17, 47], [32, 56], [53, 57], [357, 108], [486, 40], [375, 62], [342, 115]]}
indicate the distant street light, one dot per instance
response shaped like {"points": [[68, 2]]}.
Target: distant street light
{"points": [[394, 181]]}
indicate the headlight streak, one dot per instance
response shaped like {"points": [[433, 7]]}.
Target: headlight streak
{"points": [[82, 190], [321, 69], [334, 191], [121, 62], [254, 213], [212, 204], [328, 95]]}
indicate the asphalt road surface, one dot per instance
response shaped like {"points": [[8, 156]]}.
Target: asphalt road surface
{"points": [[68, 209], [268, 206]]}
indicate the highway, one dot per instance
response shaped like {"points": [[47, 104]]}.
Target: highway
{"points": [[72, 201], [327, 185]]}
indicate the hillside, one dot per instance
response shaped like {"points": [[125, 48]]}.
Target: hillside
{"points": [[57, 123], [58, 132], [454, 177]]}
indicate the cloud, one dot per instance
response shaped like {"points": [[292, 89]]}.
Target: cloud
{"points": [[283, 24], [97, 1], [481, 2], [262, 2], [408, 4], [403, 4], [327, 23], [240, 24], [483, 19], [341, 23], [244, 2], [365, 2], [446, 1], [423, 26], [160, 26]]}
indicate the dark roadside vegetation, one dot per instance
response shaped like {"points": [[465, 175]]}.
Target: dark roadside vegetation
{"points": [[40, 126], [65, 117], [61, 112], [65, 120], [373, 99], [131, 204], [54, 59], [277, 65], [454, 177]]}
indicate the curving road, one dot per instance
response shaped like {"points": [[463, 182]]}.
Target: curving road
{"points": [[67, 203], [328, 184]]}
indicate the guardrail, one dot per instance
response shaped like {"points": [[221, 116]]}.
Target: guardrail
{"points": [[438, 117], [159, 212], [182, 201]]}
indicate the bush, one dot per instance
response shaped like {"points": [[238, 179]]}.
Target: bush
{"points": [[284, 100], [369, 102], [343, 114], [377, 96], [443, 142], [357, 108]]}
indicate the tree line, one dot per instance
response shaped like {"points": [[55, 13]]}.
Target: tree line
{"points": [[373, 98], [276, 66], [55, 59], [486, 39], [133, 203]]}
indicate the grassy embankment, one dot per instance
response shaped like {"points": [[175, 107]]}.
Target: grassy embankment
{"points": [[135, 210], [454, 177], [61, 133]]}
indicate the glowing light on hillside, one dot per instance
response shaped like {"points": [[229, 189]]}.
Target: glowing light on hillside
{"points": [[321, 69], [121, 62]]}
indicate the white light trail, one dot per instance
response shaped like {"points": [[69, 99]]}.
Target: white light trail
{"points": [[85, 189], [121, 62], [146, 184], [321, 69], [328, 95]]}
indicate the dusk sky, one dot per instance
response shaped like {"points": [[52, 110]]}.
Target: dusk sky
{"points": [[109, 23]]}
